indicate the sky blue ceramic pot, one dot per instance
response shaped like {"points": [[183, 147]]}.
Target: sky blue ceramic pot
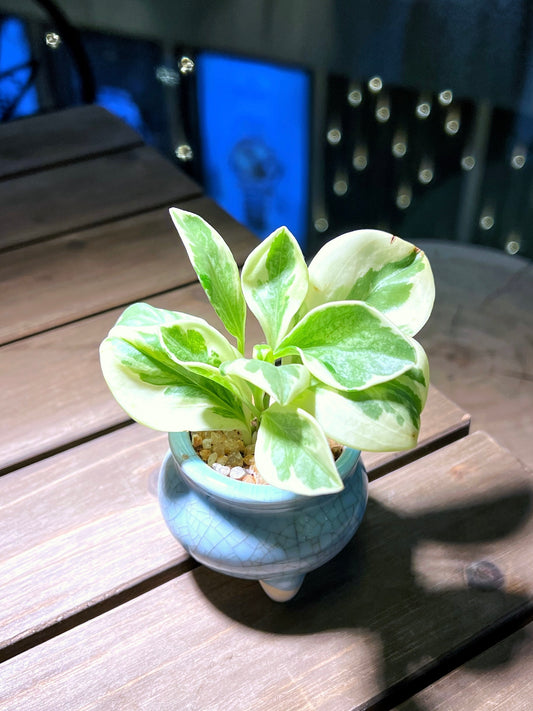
{"points": [[255, 531]]}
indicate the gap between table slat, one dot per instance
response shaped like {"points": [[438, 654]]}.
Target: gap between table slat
{"points": [[508, 686], [95, 609], [125, 260], [46, 204], [431, 673], [37, 142]]}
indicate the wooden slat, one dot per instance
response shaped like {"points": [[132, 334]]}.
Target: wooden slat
{"points": [[500, 678], [51, 283], [393, 601], [69, 197], [479, 338], [85, 522], [38, 142], [54, 393], [48, 541]]}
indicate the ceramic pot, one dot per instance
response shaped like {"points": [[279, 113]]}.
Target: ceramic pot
{"points": [[256, 531]]}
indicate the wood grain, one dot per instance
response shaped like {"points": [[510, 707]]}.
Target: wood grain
{"points": [[82, 273], [76, 133], [479, 339], [75, 195], [500, 678], [79, 528], [72, 522], [395, 598], [54, 392]]}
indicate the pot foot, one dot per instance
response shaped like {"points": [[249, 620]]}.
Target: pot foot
{"points": [[283, 588]]}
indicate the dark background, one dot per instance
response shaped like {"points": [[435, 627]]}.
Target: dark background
{"points": [[480, 51]]}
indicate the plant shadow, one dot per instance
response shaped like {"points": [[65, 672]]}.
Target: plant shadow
{"points": [[376, 584]]}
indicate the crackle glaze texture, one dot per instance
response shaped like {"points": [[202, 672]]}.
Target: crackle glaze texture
{"points": [[253, 531]]}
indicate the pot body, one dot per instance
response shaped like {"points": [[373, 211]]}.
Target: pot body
{"points": [[257, 531]]}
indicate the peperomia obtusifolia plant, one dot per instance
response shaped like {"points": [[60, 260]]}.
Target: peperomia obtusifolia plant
{"points": [[339, 358]]}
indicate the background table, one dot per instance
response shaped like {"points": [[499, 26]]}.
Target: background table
{"points": [[101, 607]]}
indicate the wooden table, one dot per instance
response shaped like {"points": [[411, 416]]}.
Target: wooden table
{"points": [[479, 339], [101, 607]]}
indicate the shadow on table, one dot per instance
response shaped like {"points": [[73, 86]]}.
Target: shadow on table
{"points": [[373, 585]]}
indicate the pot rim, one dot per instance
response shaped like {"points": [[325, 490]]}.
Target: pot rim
{"points": [[203, 477]]}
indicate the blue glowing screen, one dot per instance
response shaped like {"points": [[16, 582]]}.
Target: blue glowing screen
{"points": [[18, 95], [254, 133], [120, 102]]}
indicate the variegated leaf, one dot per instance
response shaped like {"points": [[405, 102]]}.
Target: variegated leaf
{"points": [[349, 345], [275, 282], [141, 315], [190, 341], [373, 266], [292, 452], [385, 417], [283, 383], [216, 269], [162, 394]]}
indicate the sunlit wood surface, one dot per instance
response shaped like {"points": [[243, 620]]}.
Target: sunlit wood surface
{"points": [[480, 339]]}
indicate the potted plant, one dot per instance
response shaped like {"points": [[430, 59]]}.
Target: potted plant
{"points": [[339, 362]]}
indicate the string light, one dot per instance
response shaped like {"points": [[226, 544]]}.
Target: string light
{"points": [[186, 65], [375, 84], [403, 197], [399, 143], [53, 40], [360, 158], [355, 95], [340, 183], [423, 108], [184, 152], [468, 162], [518, 157], [334, 136], [425, 172], [512, 245], [382, 109], [445, 97], [340, 187], [321, 224], [486, 221], [452, 123]]}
